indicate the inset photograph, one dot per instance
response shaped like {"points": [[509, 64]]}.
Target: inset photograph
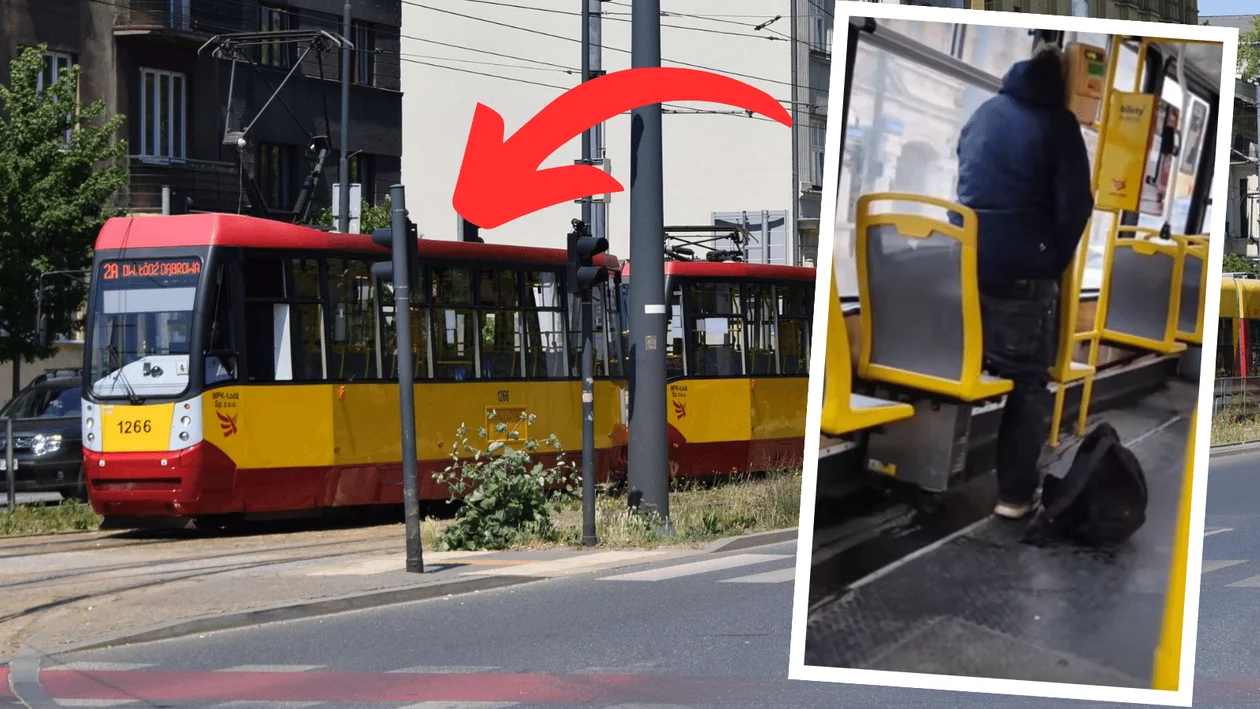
{"points": [[1003, 481]]}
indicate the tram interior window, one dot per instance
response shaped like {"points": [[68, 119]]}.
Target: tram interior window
{"points": [[305, 278], [500, 344], [716, 330], [308, 357], [796, 306], [221, 352], [264, 277], [354, 326], [389, 332], [544, 325], [674, 340], [761, 330], [453, 345], [1253, 352]]}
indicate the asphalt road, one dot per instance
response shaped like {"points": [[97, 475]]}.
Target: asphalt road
{"points": [[670, 634]]}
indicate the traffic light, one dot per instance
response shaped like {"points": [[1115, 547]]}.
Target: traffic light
{"points": [[384, 270], [584, 275]]}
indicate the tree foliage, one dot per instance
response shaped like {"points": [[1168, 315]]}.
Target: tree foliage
{"points": [[1233, 263], [370, 218], [1249, 50], [59, 166]]}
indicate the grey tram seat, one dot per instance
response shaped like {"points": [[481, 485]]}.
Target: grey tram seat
{"points": [[921, 326], [1194, 250], [1142, 293]]}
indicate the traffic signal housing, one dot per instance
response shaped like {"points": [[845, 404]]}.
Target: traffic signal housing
{"points": [[384, 270], [584, 275]]}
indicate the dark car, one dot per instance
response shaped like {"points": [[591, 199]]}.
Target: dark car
{"points": [[47, 430]]}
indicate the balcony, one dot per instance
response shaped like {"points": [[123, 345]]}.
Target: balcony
{"points": [[213, 186], [190, 19]]}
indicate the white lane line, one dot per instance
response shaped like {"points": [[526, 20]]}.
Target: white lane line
{"points": [[1218, 564], [271, 668], [779, 576], [565, 566], [460, 705], [268, 705], [1249, 582], [698, 567], [95, 702], [1210, 532], [444, 670], [100, 666]]}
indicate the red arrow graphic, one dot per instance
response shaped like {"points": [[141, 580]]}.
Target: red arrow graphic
{"points": [[500, 181]]}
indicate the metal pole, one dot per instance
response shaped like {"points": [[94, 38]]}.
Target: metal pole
{"points": [[1243, 197], [8, 463], [588, 319], [648, 452], [343, 217], [588, 423], [406, 380], [592, 36]]}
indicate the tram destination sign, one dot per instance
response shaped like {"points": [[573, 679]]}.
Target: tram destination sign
{"points": [[156, 272]]}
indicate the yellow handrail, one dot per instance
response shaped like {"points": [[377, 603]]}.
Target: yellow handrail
{"points": [[1167, 671]]}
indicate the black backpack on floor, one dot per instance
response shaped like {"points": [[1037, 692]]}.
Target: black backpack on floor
{"points": [[1101, 501]]}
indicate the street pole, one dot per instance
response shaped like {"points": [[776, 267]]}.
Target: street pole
{"points": [[343, 217], [648, 452], [8, 463], [588, 324], [406, 382]]}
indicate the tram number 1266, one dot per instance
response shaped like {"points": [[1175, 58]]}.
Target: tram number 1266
{"points": [[503, 396]]}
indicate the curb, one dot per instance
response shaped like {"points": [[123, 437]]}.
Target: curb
{"points": [[299, 611], [749, 541], [1232, 449]]}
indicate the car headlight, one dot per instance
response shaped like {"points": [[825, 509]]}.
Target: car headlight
{"points": [[43, 445]]}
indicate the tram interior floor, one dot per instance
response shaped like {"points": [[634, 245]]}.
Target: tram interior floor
{"points": [[984, 604]]}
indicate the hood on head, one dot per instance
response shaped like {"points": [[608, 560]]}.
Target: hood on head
{"points": [[1037, 81]]}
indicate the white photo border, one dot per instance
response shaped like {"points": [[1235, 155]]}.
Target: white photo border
{"points": [[797, 669]]}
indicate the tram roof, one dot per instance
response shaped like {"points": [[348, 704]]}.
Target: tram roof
{"points": [[200, 230]]}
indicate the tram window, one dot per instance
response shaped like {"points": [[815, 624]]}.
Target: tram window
{"points": [[220, 351], [389, 333], [544, 326], [498, 288], [305, 278], [453, 345], [599, 341], [500, 344], [1225, 349], [717, 330], [308, 350], [796, 305], [761, 331], [1253, 352], [451, 284], [264, 277], [354, 324], [674, 344]]}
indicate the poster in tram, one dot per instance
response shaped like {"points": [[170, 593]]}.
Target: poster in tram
{"points": [[1159, 163], [1194, 137]]}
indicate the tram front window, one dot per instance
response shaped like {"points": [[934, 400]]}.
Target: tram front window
{"points": [[142, 326]]}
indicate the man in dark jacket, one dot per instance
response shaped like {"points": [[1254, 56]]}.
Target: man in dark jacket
{"points": [[1023, 167]]}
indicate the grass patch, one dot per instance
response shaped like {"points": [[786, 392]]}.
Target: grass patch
{"points": [[733, 506], [68, 516], [1230, 428]]}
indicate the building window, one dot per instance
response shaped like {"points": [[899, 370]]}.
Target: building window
{"points": [[362, 173], [163, 107], [277, 172], [56, 64], [363, 59], [819, 28], [275, 19], [817, 145]]}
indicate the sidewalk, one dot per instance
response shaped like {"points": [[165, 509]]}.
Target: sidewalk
{"points": [[63, 592]]}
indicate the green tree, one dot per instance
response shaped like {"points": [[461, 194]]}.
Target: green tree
{"points": [[1233, 263], [370, 218], [59, 167], [1249, 50]]}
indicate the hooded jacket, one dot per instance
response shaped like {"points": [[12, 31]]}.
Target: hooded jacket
{"points": [[1023, 167]]}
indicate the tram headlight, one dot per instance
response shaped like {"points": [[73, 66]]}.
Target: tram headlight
{"points": [[185, 421], [183, 435], [90, 423]]}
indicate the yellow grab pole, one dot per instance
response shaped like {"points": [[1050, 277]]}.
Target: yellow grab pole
{"points": [[1167, 674]]}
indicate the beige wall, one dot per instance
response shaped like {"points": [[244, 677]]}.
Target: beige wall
{"points": [[68, 356]]}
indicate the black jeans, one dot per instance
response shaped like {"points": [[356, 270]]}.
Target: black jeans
{"points": [[1020, 324]]}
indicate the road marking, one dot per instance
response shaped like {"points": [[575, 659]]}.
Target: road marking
{"points": [[95, 702], [1218, 530], [1249, 582], [697, 567], [445, 670], [271, 668], [558, 567], [1210, 566], [460, 705], [269, 705], [779, 576], [101, 666]]}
